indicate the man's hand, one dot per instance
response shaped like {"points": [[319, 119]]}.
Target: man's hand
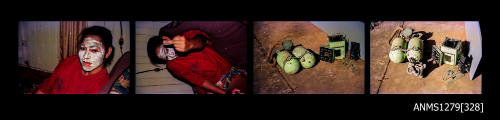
{"points": [[236, 91], [187, 41], [39, 92], [181, 44]]}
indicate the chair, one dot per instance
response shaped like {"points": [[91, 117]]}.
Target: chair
{"points": [[120, 66]]}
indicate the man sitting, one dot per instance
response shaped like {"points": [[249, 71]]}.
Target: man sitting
{"points": [[85, 73]]}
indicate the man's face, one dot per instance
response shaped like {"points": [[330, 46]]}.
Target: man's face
{"points": [[91, 53]]}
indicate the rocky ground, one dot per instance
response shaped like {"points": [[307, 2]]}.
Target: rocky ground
{"points": [[436, 80], [340, 77]]}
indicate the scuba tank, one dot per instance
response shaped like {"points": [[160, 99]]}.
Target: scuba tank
{"points": [[287, 62], [415, 49], [397, 54], [307, 59]]}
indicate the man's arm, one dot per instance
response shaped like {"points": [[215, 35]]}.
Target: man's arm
{"points": [[211, 87], [39, 92], [190, 40], [182, 44]]}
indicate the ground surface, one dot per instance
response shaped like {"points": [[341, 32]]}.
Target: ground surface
{"points": [[323, 78], [398, 81]]}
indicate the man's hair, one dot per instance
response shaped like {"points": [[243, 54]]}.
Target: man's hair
{"points": [[153, 43], [106, 39], [163, 32]]}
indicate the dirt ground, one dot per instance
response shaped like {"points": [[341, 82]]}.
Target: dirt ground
{"points": [[398, 81], [323, 78]]}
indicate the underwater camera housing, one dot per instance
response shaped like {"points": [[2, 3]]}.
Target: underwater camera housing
{"points": [[335, 49], [354, 53], [451, 50], [465, 61], [326, 54], [338, 44], [437, 55]]}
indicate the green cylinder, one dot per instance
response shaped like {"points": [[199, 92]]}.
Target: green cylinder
{"points": [[299, 51], [307, 59], [290, 66], [415, 49], [281, 57]]}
